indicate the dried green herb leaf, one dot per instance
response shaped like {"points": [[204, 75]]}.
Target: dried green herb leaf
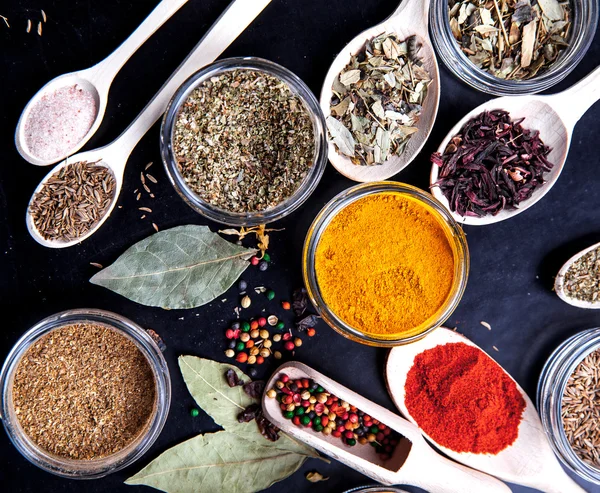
{"points": [[182, 267], [341, 136], [221, 462], [350, 77], [551, 9]]}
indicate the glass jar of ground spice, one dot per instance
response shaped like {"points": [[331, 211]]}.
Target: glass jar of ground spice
{"points": [[243, 142], [84, 393], [385, 263], [567, 400]]}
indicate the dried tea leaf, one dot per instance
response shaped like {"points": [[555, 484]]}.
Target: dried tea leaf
{"points": [[528, 42], [181, 267], [378, 110], [340, 109], [315, 477], [551, 9], [341, 136], [350, 77]]}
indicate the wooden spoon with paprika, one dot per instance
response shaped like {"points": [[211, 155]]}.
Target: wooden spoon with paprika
{"points": [[529, 460]]}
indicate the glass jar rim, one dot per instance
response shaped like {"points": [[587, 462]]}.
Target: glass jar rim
{"points": [[305, 188], [100, 467], [331, 209]]}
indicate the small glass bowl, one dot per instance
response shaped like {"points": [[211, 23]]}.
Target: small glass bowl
{"points": [[551, 386], [455, 235], [95, 468], [305, 189], [583, 29]]}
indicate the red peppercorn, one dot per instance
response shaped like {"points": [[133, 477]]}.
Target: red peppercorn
{"points": [[324, 420], [305, 403], [253, 325], [349, 434], [367, 418], [309, 425], [329, 401], [284, 378], [229, 333], [311, 332], [285, 390], [299, 383], [285, 305], [289, 346], [283, 407], [348, 425], [297, 399], [241, 357], [236, 333], [262, 321], [287, 336], [250, 343], [296, 420], [333, 407], [287, 399], [387, 431], [353, 418], [254, 260], [380, 436], [336, 433], [260, 360], [319, 408], [381, 426], [305, 383]]}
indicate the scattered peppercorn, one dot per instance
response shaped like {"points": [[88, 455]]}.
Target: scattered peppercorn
{"points": [[230, 353], [241, 357], [242, 285], [260, 360], [286, 305], [254, 333], [245, 326], [262, 321], [244, 337], [277, 355], [251, 360], [253, 372], [276, 337], [264, 334], [266, 257], [263, 266], [194, 412], [254, 260], [270, 294], [272, 319], [240, 346], [246, 301], [280, 325], [289, 346], [254, 324], [297, 342], [311, 332]]}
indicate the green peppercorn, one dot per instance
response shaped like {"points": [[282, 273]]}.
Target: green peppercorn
{"points": [[305, 420], [270, 294], [320, 389], [351, 442], [299, 411], [374, 430], [266, 257], [240, 346], [246, 326], [288, 414], [316, 420], [280, 325], [318, 428], [194, 412]]}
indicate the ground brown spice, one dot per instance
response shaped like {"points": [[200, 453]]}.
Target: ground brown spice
{"points": [[83, 391]]}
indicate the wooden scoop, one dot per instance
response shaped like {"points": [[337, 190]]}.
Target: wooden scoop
{"points": [[410, 18], [559, 282], [528, 461], [414, 462]]}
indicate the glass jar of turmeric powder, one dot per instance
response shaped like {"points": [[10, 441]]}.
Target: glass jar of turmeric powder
{"points": [[384, 263]]}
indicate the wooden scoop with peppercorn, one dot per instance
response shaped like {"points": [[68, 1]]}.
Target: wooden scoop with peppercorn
{"points": [[473, 411], [372, 440]]}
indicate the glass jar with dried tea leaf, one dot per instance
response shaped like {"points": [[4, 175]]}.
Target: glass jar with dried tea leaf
{"points": [[243, 141], [538, 44]]}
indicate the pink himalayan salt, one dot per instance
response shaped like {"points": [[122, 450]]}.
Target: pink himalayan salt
{"points": [[58, 122]]}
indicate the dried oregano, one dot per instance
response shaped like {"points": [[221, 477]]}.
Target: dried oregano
{"points": [[377, 100], [244, 141]]}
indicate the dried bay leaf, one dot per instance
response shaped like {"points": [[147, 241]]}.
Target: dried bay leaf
{"points": [[350, 77], [221, 462], [181, 267], [341, 136]]}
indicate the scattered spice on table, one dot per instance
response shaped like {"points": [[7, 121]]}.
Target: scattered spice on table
{"points": [[73, 200], [308, 404], [377, 100], [385, 265], [511, 39], [582, 279], [83, 391], [492, 164], [463, 399], [59, 120], [581, 411], [244, 142]]}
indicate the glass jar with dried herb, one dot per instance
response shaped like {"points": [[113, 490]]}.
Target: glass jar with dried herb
{"points": [[243, 141], [78, 361], [538, 43]]}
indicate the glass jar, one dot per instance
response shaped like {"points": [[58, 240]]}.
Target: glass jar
{"points": [[551, 387], [583, 29], [453, 231], [304, 190], [95, 468]]}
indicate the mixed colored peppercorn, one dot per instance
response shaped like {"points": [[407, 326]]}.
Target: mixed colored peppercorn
{"points": [[309, 405]]}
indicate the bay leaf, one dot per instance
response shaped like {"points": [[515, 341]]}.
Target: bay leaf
{"points": [[341, 136], [350, 77], [221, 462], [205, 380], [181, 267]]}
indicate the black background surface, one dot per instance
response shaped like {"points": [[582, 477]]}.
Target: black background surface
{"points": [[512, 263]]}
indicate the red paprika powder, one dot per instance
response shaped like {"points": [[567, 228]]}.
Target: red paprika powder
{"points": [[463, 400]]}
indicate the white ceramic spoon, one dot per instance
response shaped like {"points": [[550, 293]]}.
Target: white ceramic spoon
{"points": [[554, 116], [413, 463], [528, 461], [410, 18], [96, 80], [236, 18], [559, 282]]}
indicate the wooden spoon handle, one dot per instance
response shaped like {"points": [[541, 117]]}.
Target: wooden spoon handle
{"points": [[572, 103], [413, 13], [104, 72]]}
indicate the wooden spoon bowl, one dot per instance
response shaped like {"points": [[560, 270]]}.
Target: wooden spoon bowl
{"points": [[411, 18], [559, 282], [528, 461]]}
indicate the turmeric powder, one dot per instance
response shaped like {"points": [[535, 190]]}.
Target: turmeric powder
{"points": [[385, 265]]}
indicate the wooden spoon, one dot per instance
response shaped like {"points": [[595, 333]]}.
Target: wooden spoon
{"points": [[114, 156], [559, 282], [413, 463], [528, 461], [96, 80], [554, 116], [410, 18]]}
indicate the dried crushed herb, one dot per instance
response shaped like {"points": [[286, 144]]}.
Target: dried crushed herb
{"points": [[299, 301], [267, 429], [244, 142], [492, 164], [250, 413], [255, 388], [156, 338], [315, 477], [83, 391], [307, 322], [232, 378], [581, 411], [72, 201], [378, 99], [511, 39], [582, 279]]}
